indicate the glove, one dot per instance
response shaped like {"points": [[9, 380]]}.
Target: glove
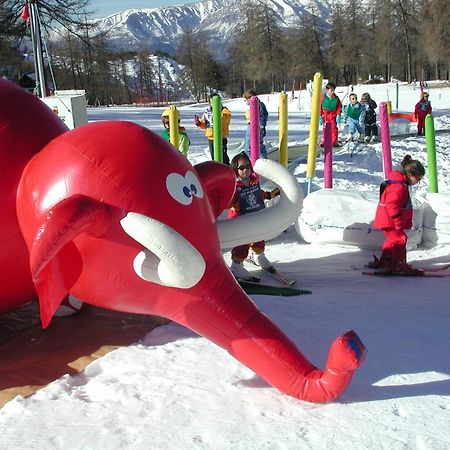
{"points": [[196, 121], [338, 118], [320, 120], [274, 193]]}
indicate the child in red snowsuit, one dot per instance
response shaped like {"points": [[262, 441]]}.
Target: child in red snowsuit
{"points": [[330, 111], [394, 214], [248, 197], [423, 107]]}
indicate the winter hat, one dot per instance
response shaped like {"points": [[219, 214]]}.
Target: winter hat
{"points": [[424, 94]]}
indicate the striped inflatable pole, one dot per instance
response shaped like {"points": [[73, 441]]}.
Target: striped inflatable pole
{"points": [[254, 129], [430, 139]]}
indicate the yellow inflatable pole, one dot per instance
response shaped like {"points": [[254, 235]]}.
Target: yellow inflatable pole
{"points": [[173, 125], [314, 128], [389, 107], [283, 129]]}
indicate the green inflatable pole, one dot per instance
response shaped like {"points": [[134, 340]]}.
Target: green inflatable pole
{"points": [[430, 138], [217, 128]]}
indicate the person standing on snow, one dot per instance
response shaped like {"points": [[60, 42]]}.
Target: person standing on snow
{"points": [[330, 111], [370, 119], [206, 123], [353, 115], [422, 109], [394, 215], [248, 197], [183, 138], [263, 116]]}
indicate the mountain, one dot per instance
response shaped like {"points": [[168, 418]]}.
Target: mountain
{"points": [[161, 28]]}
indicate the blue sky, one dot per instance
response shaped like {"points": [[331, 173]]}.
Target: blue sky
{"points": [[106, 7]]}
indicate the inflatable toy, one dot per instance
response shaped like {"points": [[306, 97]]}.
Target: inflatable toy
{"points": [[117, 217], [26, 125]]}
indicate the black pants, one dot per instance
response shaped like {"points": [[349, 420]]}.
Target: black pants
{"points": [[225, 158], [370, 129]]}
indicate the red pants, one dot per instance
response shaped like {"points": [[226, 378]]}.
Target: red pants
{"points": [[239, 253], [421, 121], [393, 251]]}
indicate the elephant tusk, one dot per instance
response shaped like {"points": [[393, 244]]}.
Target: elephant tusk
{"points": [[270, 222], [169, 259]]}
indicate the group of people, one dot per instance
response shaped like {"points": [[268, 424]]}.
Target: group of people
{"points": [[206, 123], [360, 116]]}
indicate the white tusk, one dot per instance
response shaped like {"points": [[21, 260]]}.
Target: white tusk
{"points": [[170, 259], [269, 222]]}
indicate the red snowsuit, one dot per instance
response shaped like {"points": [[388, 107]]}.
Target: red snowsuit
{"points": [[330, 108], [394, 214], [247, 198], [423, 107]]}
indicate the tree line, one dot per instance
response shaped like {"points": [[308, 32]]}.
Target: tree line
{"points": [[382, 39]]}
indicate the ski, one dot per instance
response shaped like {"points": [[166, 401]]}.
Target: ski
{"points": [[400, 274], [276, 274], [424, 269], [256, 288]]}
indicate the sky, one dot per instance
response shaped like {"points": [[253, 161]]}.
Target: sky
{"points": [[104, 8], [171, 389]]}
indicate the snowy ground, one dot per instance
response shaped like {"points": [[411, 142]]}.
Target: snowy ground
{"points": [[175, 390]]}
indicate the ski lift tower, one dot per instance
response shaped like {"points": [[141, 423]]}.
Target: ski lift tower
{"points": [[70, 105]]}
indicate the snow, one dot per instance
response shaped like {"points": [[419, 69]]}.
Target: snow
{"points": [[174, 389]]}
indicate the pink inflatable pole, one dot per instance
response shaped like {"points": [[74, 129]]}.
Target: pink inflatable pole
{"points": [[254, 129], [385, 139], [328, 156]]}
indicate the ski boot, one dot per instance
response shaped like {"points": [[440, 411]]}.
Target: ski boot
{"points": [[239, 271], [261, 260]]}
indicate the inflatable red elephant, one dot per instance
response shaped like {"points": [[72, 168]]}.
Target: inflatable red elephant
{"points": [[117, 217]]}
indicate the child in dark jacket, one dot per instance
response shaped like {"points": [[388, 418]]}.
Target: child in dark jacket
{"points": [[394, 214], [422, 109], [370, 119], [248, 197]]}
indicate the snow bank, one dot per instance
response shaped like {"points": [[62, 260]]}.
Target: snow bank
{"points": [[436, 219], [332, 216]]}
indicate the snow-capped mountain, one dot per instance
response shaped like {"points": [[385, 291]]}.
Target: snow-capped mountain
{"points": [[161, 28]]}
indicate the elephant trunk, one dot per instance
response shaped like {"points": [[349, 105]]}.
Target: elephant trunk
{"points": [[234, 323]]}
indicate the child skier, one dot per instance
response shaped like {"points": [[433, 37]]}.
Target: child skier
{"points": [[330, 111], [205, 122], [370, 119], [394, 215], [353, 115], [248, 197], [423, 107], [183, 138]]}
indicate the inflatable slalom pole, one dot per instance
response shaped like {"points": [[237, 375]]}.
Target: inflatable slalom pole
{"points": [[254, 129], [430, 139], [385, 139], [173, 125], [314, 128], [217, 127], [283, 129], [328, 156]]}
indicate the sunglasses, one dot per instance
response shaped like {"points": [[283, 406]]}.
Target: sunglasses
{"points": [[425, 96], [247, 166]]}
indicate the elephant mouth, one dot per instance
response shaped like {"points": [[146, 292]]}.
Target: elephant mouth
{"points": [[168, 258]]}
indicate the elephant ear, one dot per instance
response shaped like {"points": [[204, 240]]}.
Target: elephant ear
{"points": [[54, 259], [218, 181]]}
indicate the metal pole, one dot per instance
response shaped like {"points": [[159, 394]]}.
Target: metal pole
{"points": [[37, 49]]}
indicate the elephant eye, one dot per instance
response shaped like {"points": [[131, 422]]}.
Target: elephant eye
{"points": [[183, 189]]}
